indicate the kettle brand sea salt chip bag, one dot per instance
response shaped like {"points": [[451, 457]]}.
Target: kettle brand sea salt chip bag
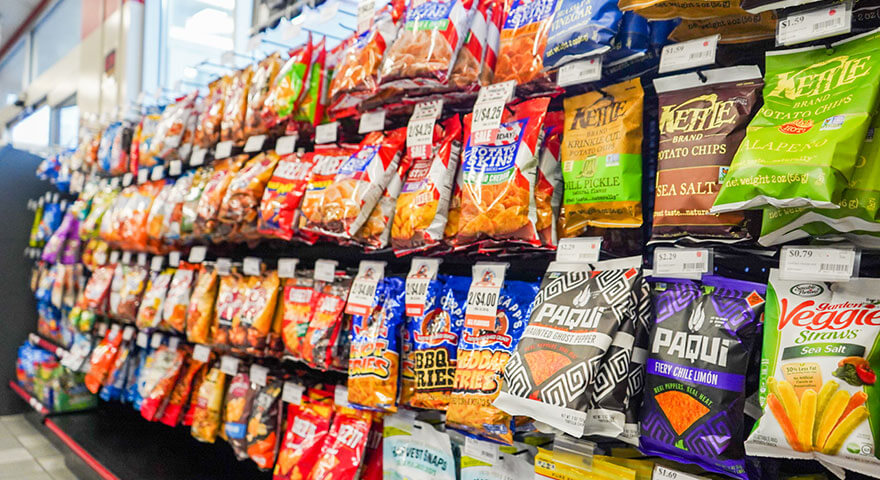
{"points": [[801, 147], [818, 373]]}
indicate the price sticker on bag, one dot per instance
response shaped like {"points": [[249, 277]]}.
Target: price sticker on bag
{"points": [[817, 263], [420, 129], [142, 339], [126, 258], [201, 353], [223, 149], [488, 111], [580, 71], [173, 343], [682, 262], [287, 267], [254, 143], [483, 295], [173, 258], [127, 179], [326, 132], [259, 374], [252, 266], [223, 266], [372, 122], [156, 340], [365, 12], [198, 157], [143, 175], [229, 364], [325, 270], [292, 393], [421, 273], [814, 24], [156, 263], [197, 254], [142, 259], [579, 250], [340, 396], [285, 145], [690, 54], [175, 168], [363, 288], [479, 450]]}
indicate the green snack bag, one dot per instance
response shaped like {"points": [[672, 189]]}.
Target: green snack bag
{"points": [[801, 148], [858, 205]]}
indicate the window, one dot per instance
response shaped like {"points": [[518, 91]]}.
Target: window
{"points": [[55, 35], [32, 130], [66, 123], [12, 74]]}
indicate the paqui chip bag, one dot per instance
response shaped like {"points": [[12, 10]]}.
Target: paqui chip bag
{"points": [[701, 125], [497, 179], [602, 159], [802, 146], [819, 373], [374, 362], [403, 435], [283, 194], [523, 42], [695, 382], [482, 354], [307, 425], [580, 29]]}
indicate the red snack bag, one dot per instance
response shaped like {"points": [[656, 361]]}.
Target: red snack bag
{"points": [[298, 299], [344, 446], [283, 194], [173, 411], [326, 162], [326, 322], [307, 426], [103, 358], [373, 456], [493, 43], [468, 64], [160, 380], [548, 188], [193, 403], [311, 108], [376, 231], [208, 127]]}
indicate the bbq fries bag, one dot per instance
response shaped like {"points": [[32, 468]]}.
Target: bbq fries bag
{"points": [[602, 159], [308, 423], [819, 366], [802, 146], [696, 148], [481, 357], [573, 321], [695, 377], [498, 179]]}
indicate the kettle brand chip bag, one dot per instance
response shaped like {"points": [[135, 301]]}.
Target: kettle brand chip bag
{"points": [[696, 371], [602, 159], [701, 125], [818, 373], [801, 147]]}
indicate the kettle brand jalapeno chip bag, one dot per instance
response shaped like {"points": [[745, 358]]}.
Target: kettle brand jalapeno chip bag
{"points": [[696, 371], [818, 373], [801, 147]]}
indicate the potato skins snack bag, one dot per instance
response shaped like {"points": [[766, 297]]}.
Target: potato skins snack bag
{"points": [[416, 450], [580, 29], [602, 159], [523, 42], [818, 373], [801, 148], [344, 446], [307, 426], [696, 371]]}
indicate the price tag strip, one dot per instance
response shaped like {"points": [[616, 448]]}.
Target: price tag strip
{"points": [[197, 254], [325, 270], [254, 143], [252, 266], [665, 473], [488, 110], [818, 263], [223, 149], [229, 365], [223, 266], [363, 288], [326, 133], [580, 71], [340, 396], [479, 450], [372, 122], [285, 145], [814, 24], [689, 263], [483, 295], [365, 12], [198, 157], [258, 374], [421, 273], [579, 250], [287, 267], [292, 393], [420, 129], [690, 54], [201, 353]]}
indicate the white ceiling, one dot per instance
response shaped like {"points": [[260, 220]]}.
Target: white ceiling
{"points": [[12, 13]]}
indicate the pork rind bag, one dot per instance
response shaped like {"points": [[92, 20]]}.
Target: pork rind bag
{"points": [[802, 146], [374, 360], [297, 300], [283, 194], [261, 82], [481, 357], [695, 151], [208, 127], [602, 159], [150, 311], [580, 29], [695, 381], [423, 203], [668, 9], [498, 179], [326, 163], [235, 104], [200, 314], [523, 41], [208, 403], [307, 425], [344, 446], [178, 297], [548, 186], [818, 373]]}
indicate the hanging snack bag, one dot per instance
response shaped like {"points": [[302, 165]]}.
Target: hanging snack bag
{"points": [[298, 300], [668, 9], [344, 445], [230, 298], [235, 102], [264, 77], [523, 42], [435, 460], [734, 29], [178, 297], [482, 354], [465, 75], [326, 162], [172, 414], [257, 312], [376, 231], [696, 371], [580, 29], [325, 326], [374, 361], [696, 149], [150, 311], [208, 403], [241, 203], [819, 370], [130, 294], [802, 146], [311, 108], [423, 203], [498, 179], [189, 209], [283, 194], [264, 424], [548, 187], [307, 426], [211, 199], [286, 92], [208, 128], [163, 378], [200, 314], [102, 359], [602, 159], [237, 411], [97, 291], [157, 219]]}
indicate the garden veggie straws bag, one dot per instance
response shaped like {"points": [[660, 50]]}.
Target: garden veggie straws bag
{"points": [[801, 147], [580, 29], [602, 159], [820, 361], [696, 371], [701, 125]]}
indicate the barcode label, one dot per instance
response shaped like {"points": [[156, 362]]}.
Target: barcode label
{"points": [[690, 54], [817, 263], [833, 267], [814, 24], [825, 24], [682, 262]]}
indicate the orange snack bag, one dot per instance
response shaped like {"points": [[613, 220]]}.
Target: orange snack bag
{"points": [[240, 206], [200, 314], [178, 297], [298, 303], [212, 196], [230, 298], [548, 188], [257, 312], [235, 100], [208, 127], [523, 39], [208, 403], [326, 161], [103, 358], [262, 81]]}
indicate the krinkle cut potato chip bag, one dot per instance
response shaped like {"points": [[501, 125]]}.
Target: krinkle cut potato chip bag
{"points": [[801, 148], [523, 41], [602, 159], [580, 29], [696, 371], [819, 373], [701, 125]]}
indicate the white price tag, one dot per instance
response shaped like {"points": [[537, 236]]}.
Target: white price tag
{"points": [[127, 179], [156, 340], [143, 175], [142, 339], [198, 157], [287, 267], [126, 258], [254, 143], [156, 263], [420, 130], [340, 396], [34, 339], [142, 259], [580, 71], [223, 266], [483, 295], [363, 288], [223, 149], [682, 262], [229, 365], [285, 145], [579, 250], [252, 266], [292, 393], [372, 122], [666, 473], [114, 256], [173, 258], [197, 254], [421, 272], [814, 24], [114, 183], [290, 30], [326, 133], [101, 257], [480, 450], [258, 374], [325, 270], [365, 13], [158, 173], [817, 263], [201, 353], [128, 332], [175, 168], [690, 54], [173, 343], [488, 110]]}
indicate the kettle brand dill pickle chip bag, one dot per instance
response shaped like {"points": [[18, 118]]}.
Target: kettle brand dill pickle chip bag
{"points": [[696, 371], [602, 159], [701, 125], [819, 373], [801, 147]]}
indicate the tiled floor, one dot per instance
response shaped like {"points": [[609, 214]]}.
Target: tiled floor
{"points": [[25, 454]]}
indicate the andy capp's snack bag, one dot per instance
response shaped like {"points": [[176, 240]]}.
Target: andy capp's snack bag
{"points": [[818, 373]]}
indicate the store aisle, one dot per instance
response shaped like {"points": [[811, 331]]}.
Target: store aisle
{"points": [[26, 454]]}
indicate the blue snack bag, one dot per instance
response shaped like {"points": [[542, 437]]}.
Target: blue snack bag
{"points": [[580, 29]]}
